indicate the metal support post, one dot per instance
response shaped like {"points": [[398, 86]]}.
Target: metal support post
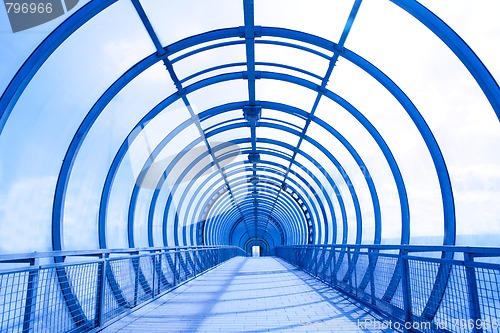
{"points": [[195, 261], [349, 281], [474, 307], [176, 268], [406, 287], [31, 293], [371, 270], [154, 284], [101, 283], [355, 282], [333, 272], [135, 264]]}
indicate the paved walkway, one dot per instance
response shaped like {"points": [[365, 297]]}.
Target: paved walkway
{"points": [[250, 295]]}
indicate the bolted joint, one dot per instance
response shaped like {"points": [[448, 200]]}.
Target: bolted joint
{"points": [[339, 49], [241, 32], [258, 31], [254, 157], [180, 90], [252, 113], [254, 180]]}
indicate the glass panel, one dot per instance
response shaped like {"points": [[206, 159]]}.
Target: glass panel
{"points": [[141, 218], [269, 115], [291, 57], [327, 167], [192, 213], [338, 180], [189, 216], [323, 18], [272, 147], [208, 59], [98, 150], [373, 159], [17, 47], [405, 142], [158, 216], [170, 230], [477, 25], [276, 68], [215, 95], [150, 137], [178, 20], [53, 105], [285, 93], [227, 138], [237, 162], [214, 73], [275, 159], [47, 115], [317, 205], [305, 193], [116, 219], [355, 173], [321, 176], [239, 177], [177, 147], [446, 95], [222, 119], [286, 137]]}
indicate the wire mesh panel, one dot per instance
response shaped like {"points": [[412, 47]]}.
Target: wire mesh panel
{"points": [[360, 269], [13, 288], [203, 259], [82, 285], [162, 283], [191, 264], [168, 268], [196, 261], [454, 308], [80, 296], [326, 270], [488, 284], [397, 299], [113, 303], [342, 265], [384, 269], [425, 293], [422, 277], [51, 312], [125, 278], [182, 266], [145, 276]]}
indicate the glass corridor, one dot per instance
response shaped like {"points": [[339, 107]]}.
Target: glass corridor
{"points": [[144, 142]]}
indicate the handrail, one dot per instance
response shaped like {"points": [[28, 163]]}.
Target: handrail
{"points": [[80, 296], [470, 300], [476, 250], [21, 257]]}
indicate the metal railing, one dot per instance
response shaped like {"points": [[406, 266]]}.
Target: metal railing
{"points": [[419, 288], [80, 291]]}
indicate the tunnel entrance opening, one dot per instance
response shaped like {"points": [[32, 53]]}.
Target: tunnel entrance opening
{"points": [[256, 247], [256, 251]]}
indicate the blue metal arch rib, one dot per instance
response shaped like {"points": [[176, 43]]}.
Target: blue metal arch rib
{"points": [[449, 235], [380, 76]]}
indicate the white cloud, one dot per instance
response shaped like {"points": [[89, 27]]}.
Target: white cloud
{"points": [[25, 215]]}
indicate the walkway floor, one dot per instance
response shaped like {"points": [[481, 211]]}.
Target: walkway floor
{"points": [[251, 295]]}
